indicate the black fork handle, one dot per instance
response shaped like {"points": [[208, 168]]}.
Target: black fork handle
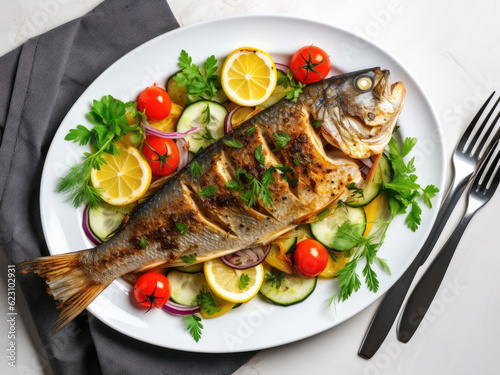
{"points": [[424, 292]]}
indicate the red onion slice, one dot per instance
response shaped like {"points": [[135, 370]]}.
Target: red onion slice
{"points": [[282, 67], [86, 227], [176, 309], [153, 131], [183, 153], [228, 126], [246, 258], [368, 162]]}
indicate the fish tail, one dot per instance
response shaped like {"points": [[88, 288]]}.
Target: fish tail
{"points": [[67, 283]]}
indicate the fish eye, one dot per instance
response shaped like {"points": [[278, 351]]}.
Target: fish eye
{"points": [[363, 83]]}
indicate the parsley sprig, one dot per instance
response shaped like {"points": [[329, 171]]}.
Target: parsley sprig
{"points": [[294, 87], [194, 326], [402, 193], [200, 84], [250, 188], [111, 124], [403, 190], [348, 236]]}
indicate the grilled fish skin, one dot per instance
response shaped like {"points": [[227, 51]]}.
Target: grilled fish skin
{"points": [[222, 223]]}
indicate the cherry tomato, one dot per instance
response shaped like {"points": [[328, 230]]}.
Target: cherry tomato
{"points": [[162, 154], [310, 258], [310, 64], [152, 289], [156, 102]]}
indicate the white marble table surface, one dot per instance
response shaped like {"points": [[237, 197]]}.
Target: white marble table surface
{"points": [[452, 49]]}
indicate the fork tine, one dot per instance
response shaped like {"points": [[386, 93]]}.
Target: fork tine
{"points": [[464, 140], [470, 128], [484, 175], [487, 133]]}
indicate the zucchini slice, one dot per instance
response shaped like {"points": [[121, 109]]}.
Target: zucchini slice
{"points": [[177, 94], [291, 290], [383, 173], [196, 115], [324, 230], [185, 287], [105, 218], [191, 268], [278, 92]]}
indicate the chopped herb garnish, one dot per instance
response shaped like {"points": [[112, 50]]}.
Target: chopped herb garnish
{"points": [[194, 326], [250, 130], [317, 123], [207, 303], [275, 278], [195, 169], [207, 134], [207, 191], [296, 161], [233, 143], [323, 214], [281, 138], [250, 188], [183, 228], [258, 155], [243, 281], [143, 243], [191, 258], [206, 112], [295, 86]]}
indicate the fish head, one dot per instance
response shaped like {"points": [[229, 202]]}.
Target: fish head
{"points": [[361, 111]]}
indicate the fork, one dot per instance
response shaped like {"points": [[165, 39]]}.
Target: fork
{"points": [[466, 159], [482, 189]]}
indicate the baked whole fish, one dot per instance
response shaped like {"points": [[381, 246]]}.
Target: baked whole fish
{"points": [[358, 112]]}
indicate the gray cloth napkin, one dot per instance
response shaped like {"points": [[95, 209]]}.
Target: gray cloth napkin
{"points": [[39, 82]]}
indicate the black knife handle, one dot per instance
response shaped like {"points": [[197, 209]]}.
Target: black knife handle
{"points": [[388, 311], [444, 213], [424, 292]]}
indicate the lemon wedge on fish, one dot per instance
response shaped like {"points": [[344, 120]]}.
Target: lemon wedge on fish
{"points": [[226, 282], [124, 178], [248, 76]]}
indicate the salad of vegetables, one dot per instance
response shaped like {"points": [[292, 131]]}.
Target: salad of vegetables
{"points": [[138, 146]]}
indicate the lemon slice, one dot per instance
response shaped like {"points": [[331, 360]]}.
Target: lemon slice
{"points": [[248, 76], [124, 179], [167, 125], [224, 281]]}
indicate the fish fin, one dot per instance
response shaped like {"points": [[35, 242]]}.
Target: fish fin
{"points": [[67, 283]]}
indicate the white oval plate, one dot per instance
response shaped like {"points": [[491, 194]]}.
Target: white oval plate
{"points": [[258, 324]]}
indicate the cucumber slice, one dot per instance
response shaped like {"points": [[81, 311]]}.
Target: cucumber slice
{"points": [[383, 173], [105, 218], [324, 230], [278, 92], [195, 115], [289, 243], [292, 289], [185, 287], [177, 94], [386, 169], [303, 232], [192, 268]]}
